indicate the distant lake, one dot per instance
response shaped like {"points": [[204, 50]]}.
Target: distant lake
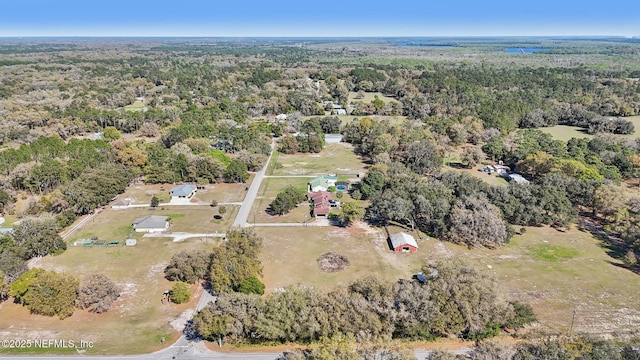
{"points": [[524, 50]]}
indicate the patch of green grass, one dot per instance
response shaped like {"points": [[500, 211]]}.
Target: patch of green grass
{"points": [[136, 106], [552, 253], [9, 220]]}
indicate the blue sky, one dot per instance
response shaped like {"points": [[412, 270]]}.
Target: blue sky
{"points": [[318, 18]]}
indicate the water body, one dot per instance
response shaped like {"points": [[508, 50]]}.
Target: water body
{"points": [[515, 50]]}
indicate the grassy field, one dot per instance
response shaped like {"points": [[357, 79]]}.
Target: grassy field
{"points": [[289, 257], [335, 158], [491, 179], [565, 133], [142, 194], [558, 272], [138, 320]]}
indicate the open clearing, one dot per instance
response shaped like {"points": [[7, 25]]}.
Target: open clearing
{"points": [[565, 133], [335, 158], [369, 96], [290, 257], [558, 272], [138, 320], [137, 105]]}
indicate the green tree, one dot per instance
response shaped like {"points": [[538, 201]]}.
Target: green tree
{"points": [[155, 202], [251, 285], [288, 145], [236, 172], [110, 133], [350, 211], [37, 237], [180, 292], [188, 266], [52, 294], [287, 200]]}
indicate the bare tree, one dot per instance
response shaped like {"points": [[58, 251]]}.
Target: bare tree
{"points": [[97, 294]]}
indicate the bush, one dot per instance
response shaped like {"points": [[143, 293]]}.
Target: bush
{"points": [[180, 292]]}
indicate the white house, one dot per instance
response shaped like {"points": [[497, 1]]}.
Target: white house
{"points": [[151, 224], [183, 191]]}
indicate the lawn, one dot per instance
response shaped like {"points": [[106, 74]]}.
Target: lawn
{"points": [[138, 320], [335, 158], [268, 191], [289, 257], [113, 224], [555, 272]]}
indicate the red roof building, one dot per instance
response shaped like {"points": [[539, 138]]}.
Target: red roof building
{"points": [[321, 202]]}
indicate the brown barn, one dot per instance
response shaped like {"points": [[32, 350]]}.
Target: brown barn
{"points": [[403, 242]]}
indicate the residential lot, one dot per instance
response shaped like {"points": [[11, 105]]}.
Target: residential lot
{"points": [[112, 224], [138, 320], [335, 158], [142, 194], [268, 191], [289, 256]]}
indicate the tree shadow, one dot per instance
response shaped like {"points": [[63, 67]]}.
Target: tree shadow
{"points": [[615, 247]]}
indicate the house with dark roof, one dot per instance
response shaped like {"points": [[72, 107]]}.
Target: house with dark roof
{"points": [[403, 242], [151, 224], [185, 191], [322, 183], [322, 202]]}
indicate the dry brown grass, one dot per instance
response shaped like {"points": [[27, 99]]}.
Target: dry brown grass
{"points": [[335, 158], [290, 254], [138, 320]]}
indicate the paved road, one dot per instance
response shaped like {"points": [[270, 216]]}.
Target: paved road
{"points": [[66, 234], [245, 209]]}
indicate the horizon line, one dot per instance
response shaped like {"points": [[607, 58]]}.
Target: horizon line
{"points": [[314, 37]]}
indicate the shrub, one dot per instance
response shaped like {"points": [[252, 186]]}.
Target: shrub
{"points": [[180, 292]]}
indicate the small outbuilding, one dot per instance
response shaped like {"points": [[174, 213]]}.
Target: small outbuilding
{"points": [[151, 224], [121, 204], [403, 242], [185, 191], [131, 242]]}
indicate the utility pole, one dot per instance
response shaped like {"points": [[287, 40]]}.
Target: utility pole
{"points": [[573, 318]]}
